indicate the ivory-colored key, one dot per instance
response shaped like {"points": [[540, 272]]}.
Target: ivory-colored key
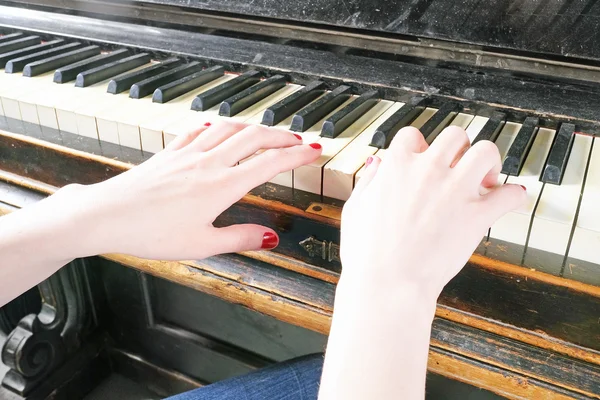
{"points": [[475, 127]]}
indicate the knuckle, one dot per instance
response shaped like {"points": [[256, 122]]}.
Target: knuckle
{"points": [[486, 148]]}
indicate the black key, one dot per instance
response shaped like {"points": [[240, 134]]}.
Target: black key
{"points": [[515, 158], [6, 57], [48, 64], [250, 96], [559, 155], [149, 85], [492, 128], [294, 102], [443, 116], [19, 43], [341, 120], [69, 72], [181, 86], [124, 82], [10, 37], [17, 64], [403, 117], [98, 74], [314, 112], [214, 96]]}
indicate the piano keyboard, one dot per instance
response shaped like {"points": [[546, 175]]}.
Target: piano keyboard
{"points": [[135, 102]]}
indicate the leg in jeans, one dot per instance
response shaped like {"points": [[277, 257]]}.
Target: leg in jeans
{"points": [[297, 379]]}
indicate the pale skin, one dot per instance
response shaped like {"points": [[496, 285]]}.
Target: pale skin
{"points": [[165, 207]]}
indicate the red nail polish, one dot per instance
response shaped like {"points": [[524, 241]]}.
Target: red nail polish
{"points": [[315, 146], [270, 241], [524, 188], [207, 124], [369, 161], [298, 137]]}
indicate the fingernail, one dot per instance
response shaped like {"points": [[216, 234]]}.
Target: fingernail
{"points": [[298, 137], [369, 161], [524, 188], [270, 241], [315, 146], [207, 124]]}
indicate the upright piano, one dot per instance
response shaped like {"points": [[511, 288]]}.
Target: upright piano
{"points": [[89, 89]]}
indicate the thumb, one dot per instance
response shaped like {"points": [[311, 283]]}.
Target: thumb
{"points": [[243, 237], [502, 200]]}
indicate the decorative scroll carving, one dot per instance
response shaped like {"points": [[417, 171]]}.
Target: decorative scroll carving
{"points": [[328, 251], [41, 342]]}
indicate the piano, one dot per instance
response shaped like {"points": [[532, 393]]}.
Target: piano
{"points": [[89, 89]]}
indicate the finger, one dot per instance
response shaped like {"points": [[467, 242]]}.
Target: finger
{"points": [[252, 139], [481, 164], [409, 139], [243, 237], [371, 167], [502, 200], [216, 134], [181, 141], [449, 145], [272, 162]]}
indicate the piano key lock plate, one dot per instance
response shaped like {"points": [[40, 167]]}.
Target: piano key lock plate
{"points": [[326, 250]]}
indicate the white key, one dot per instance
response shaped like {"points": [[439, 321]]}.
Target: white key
{"points": [[338, 174], [13, 86], [555, 213], [423, 117], [514, 226], [462, 120], [475, 127]]}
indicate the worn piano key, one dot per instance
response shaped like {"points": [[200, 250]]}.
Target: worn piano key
{"points": [[17, 64], [462, 120], [492, 128], [341, 120], [515, 158], [314, 112], [6, 57], [475, 126], [149, 85], [19, 43], [286, 107], [70, 72], [556, 210], [10, 37], [211, 98], [181, 86], [17, 86], [239, 102], [111, 69], [559, 155], [444, 115], [124, 82], [48, 64], [513, 227], [403, 117]]}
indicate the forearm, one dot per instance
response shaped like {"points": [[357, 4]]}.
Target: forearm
{"points": [[378, 345]]}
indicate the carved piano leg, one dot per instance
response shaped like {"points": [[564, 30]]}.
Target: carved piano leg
{"points": [[42, 342]]}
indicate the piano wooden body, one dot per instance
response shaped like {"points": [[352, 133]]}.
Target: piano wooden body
{"points": [[522, 320]]}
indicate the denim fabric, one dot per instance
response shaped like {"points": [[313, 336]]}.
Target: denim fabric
{"points": [[297, 379]]}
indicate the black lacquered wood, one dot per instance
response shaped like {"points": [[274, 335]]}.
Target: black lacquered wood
{"points": [[69, 72], [443, 116], [558, 158], [250, 96], [214, 96], [316, 111], [492, 128], [149, 85], [48, 64], [517, 154], [19, 43], [6, 57], [341, 120], [11, 37], [181, 86], [294, 102], [18, 64], [111, 69], [124, 82], [385, 133]]}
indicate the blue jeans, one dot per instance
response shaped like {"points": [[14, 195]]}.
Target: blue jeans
{"points": [[297, 379]]}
